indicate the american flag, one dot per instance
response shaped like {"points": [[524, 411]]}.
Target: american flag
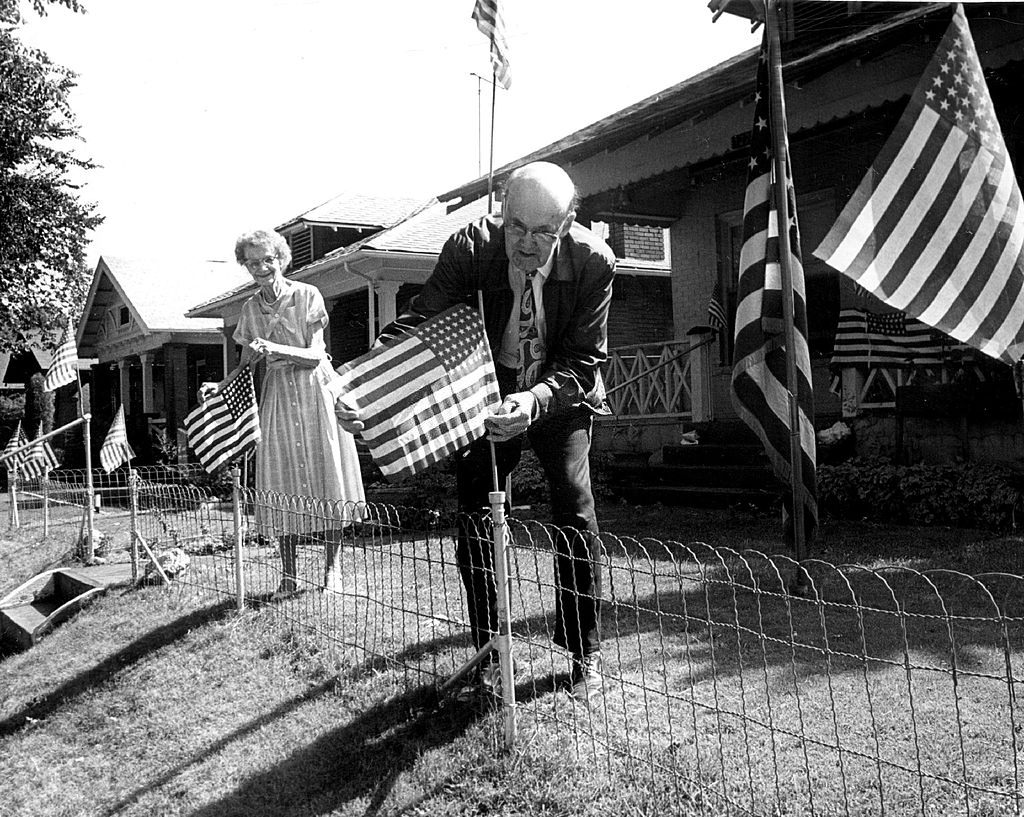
{"points": [[424, 395], [18, 438], [936, 227], [759, 391], [62, 369], [716, 312], [40, 459], [488, 19], [115, 449], [227, 425]]}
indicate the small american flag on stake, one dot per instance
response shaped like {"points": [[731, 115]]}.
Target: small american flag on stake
{"points": [[488, 19], [40, 459], [11, 460], [716, 312], [115, 450], [62, 369], [423, 396], [227, 425]]}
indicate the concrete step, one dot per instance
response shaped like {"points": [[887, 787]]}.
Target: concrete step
{"points": [[711, 476], [18, 624], [713, 454], [696, 495]]}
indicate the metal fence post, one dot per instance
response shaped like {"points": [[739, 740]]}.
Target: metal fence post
{"points": [[236, 506], [90, 551], [12, 480], [503, 639], [133, 532]]}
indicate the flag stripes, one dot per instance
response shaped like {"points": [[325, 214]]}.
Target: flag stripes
{"points": [[935, 228], [491, 24], [62, 367], [40, 458], [425, 395], [115, 450], [717, 319], [759, 381], [861, 341], [227, 425], [11, 460]]}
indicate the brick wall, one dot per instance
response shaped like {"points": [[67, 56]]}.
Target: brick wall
{"points": [[641, 311], [633, 241]]}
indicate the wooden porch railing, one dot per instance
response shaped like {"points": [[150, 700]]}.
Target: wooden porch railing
{"points": [[876, 388], [646, 379]]}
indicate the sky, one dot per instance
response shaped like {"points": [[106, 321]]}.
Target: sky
{"points": [[208, 118]]}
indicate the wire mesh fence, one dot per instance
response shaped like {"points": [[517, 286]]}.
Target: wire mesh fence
{"points": [[732, 682]]}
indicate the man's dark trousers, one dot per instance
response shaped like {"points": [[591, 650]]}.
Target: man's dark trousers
{"points": [[561, 442]]}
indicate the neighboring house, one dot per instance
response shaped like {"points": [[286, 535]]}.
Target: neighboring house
{"points": [[678, 160], [150, 357], [367, 283]]}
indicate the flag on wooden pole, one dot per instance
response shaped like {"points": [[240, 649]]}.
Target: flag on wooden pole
{"points": [[717, 319], [936, 227], [40, 458], [424, 395], [18, 439], [115, 449], [759, 380], [62, 368], [489, 20], [227, 425]]}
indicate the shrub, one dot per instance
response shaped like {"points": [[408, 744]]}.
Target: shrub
{"points": [[966, 494]]}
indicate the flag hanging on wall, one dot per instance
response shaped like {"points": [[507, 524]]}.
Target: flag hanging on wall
{"points": [[227, 425], [489, 20], [892, 339], [424, 395], [62, 369], [18, 438], [759, 391], [716, 312], [40, 459], [936, 227], [115, 449]]}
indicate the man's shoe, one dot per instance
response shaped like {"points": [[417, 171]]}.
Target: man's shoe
{"points": [[586, 679]]}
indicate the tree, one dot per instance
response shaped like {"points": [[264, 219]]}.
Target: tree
{"points": [[43, 224]]}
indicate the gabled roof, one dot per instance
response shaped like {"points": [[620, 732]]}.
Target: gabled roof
{"points": [[356, 210]]}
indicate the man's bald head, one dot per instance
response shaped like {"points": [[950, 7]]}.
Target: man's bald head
{"points": [[539, 207]]}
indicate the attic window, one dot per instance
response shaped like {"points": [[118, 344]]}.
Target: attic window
{"points": [[123, 316]]}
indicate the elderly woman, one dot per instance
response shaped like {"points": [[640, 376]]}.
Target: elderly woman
{"points": [[303, 451]]}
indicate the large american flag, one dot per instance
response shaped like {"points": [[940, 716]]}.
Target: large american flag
{"points": [[227, 425], [424, 395], [489, 20], [936, 227], [759, 391], [40, 458], [115, 450], [62, 368]]}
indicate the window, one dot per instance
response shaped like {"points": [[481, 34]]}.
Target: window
{"points": [[124, 316]]}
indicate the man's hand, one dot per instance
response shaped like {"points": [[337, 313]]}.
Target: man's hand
{"points": [[348, 418], [512, 417]]}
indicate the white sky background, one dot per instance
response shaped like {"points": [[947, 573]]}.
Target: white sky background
{"points": [[211, 117]]}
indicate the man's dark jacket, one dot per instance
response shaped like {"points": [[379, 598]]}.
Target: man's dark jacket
{"points": [[577, 295]]}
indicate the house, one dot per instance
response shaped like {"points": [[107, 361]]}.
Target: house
{"points": [[150, 357], [677, 160]]}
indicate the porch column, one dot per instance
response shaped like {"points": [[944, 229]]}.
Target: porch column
{"points": [[852, 385], [147, 382], [230, 357], [387, 294], [124, 369], [702, 406]]}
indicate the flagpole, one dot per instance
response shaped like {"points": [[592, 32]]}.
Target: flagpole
{"points": [[490, 163], [779, 130]]}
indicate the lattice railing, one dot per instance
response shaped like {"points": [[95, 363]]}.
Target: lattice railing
{"points": [[650, 379]]}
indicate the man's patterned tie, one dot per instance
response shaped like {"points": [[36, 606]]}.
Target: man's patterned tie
{"points": [[531, 349]]}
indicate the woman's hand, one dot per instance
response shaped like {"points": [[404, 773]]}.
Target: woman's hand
{"points": [[208, 390], [263, 348]]}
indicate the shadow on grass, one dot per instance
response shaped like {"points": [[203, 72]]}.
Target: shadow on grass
{"points": [[361, 761], [113, 664]]}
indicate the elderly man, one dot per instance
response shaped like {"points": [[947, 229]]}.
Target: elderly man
{"points": [[547, 285]]}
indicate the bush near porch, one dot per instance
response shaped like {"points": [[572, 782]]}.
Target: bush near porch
{"points": [[961, 494]]}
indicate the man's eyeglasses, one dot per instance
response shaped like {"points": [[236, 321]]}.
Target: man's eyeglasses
{"points": [[540, 234]]}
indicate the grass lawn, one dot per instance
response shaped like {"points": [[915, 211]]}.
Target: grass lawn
{"points": [[724, 694]]}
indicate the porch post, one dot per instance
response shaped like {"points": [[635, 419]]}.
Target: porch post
{"points": [[702, 406], [147, 382], [124, 370], [387, 296]]}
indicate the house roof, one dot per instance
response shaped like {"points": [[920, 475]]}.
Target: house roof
{"points": [[357, 210]]}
